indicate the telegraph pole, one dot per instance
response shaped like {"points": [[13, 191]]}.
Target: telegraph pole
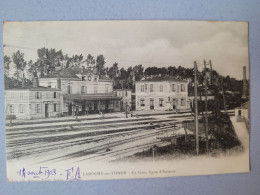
{"points": [[196, 107], [211, 73], [206, 107], [223, 93]]}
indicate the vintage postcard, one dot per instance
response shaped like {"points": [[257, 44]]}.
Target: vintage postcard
{"points": [[94, 100]]}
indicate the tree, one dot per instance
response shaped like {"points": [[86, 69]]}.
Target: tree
{"points": [[113, 71], [90, 61], [151, 71], [19, 62], [138, 72], [7, 61], [172, 71], [100, 65], [32, 69], [75, 61], [130, 78], [48, 59], [163, 71]]}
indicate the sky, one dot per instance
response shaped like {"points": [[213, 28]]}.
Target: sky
{"points": [[150, 43]]}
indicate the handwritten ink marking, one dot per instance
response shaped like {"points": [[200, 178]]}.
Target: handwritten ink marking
{"points": [[23, 172], [77, 175], [68, 172], [71, 175], [41, 173], [45, 172]]}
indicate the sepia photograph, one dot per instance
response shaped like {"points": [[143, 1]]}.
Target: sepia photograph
{"points": [[96, 100]]}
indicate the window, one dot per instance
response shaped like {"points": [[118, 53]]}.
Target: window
{"points": [[38, 108], [95, 78], [183, 102], [12, 108], [142, 101], [161, 102], [68, 89], [55, 107], [21, 108], [161, 88], [38, 95], [151, 102], [21, 95], [239, 112], [95, 89], [151, 87], [49, 84], [177, 88], [173, 87], [82, 89], [126, 93], [182, 87], [54, 94], [146, 87], [83, 78], [142, 88]]}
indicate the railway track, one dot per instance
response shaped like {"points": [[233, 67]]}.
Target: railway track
{"points": [[136, 135], [60, 143]]}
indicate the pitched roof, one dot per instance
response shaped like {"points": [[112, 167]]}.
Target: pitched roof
{"points": [[63, 73], [104, 78], [79, 70], [245, 105], [72, 73], [166, 78]]}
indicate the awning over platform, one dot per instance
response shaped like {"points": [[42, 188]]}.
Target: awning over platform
{"points": [[91, 97]]}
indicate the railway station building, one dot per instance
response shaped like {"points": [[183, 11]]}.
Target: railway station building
{"points": [[162, 93], [82, 91], [32, 102]]}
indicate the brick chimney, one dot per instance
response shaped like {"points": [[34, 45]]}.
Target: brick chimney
{"points": [[23, 82], [58, 83], [35, 82]]}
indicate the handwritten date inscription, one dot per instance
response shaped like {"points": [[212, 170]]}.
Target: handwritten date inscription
{"points": [[48, 173]]}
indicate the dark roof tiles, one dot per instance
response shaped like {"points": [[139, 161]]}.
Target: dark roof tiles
{"points": [[167, 78]]}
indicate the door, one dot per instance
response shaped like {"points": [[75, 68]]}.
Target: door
{"points": [[151, 103], [174, 103], [95, 107], [121, 106], [46, 111], [83, 110], [70, 110], [106, 105]]}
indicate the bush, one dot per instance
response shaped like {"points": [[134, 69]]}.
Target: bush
{"points": [[224, 135]]}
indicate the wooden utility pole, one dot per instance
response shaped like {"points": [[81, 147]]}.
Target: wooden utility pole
{"points": [[211, 73], [196, 107], [215, 90], [223, 93], [206, 107]]}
